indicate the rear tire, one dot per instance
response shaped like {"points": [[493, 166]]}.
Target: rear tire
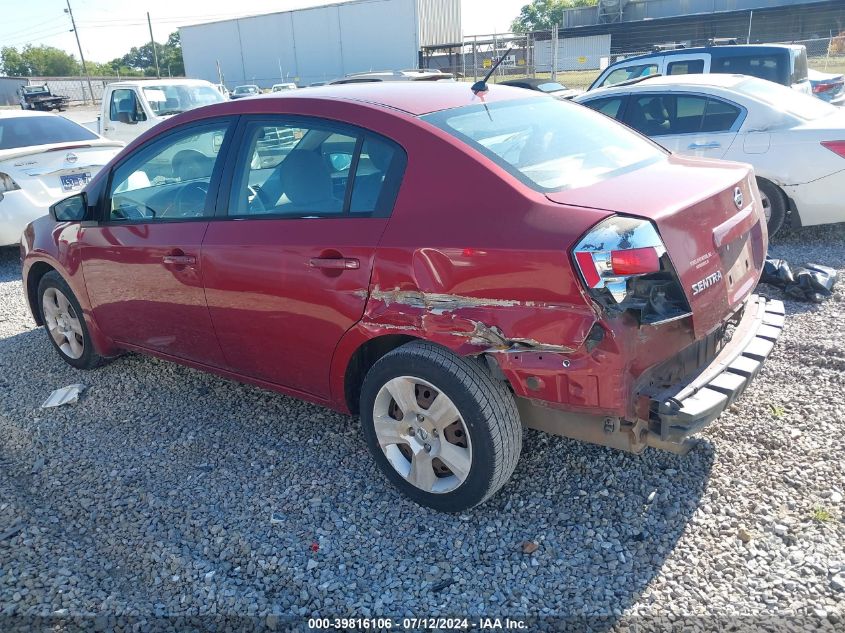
{"points": [[774, 205], [439, 427], [65, 324]]}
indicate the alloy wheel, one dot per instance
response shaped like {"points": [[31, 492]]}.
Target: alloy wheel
{"points": [[63, 323]]}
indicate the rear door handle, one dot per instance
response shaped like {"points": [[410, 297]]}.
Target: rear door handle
{"points": [[335, 263], [179, 260], [712, 145]]}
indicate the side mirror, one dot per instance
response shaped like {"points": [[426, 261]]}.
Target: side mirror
{"points": [[73, 209]]}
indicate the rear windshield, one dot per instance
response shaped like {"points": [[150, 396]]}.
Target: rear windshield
{"points": [[25, 131], [786, 99], [552, 86], [548, 144]]}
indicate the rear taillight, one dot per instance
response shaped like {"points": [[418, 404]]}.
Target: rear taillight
{"points": [[826, 87], [624, 265], [837, 147], [7, 184]]}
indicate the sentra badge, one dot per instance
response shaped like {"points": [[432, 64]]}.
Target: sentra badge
{"points": [[700, 286]]}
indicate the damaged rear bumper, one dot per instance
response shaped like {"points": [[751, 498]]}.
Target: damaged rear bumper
{"points": [[684, 410], [685, 407]]}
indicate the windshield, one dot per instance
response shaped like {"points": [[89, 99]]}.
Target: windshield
{"points": [[786, 99], [35, 90], [25, 131], [550, 145], [241, 90], [175, 98], [552, 86]]}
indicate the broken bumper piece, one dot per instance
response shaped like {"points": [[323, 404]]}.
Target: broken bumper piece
{"points": [[685, 410]]}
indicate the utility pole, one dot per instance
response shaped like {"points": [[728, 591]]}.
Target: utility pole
{"points": [[153, 44], [81, 56]]}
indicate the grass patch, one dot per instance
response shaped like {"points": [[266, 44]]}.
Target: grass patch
{"points": [[822, 515]]}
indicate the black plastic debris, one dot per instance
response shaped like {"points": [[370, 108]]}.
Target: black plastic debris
{"points": [[813, 283]]}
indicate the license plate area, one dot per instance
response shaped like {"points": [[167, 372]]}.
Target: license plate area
{"points": [[75, 182]]}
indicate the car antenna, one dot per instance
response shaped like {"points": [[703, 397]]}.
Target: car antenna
{"points": [[481, 86]]}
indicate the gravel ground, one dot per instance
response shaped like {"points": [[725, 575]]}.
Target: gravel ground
{"points": [[166, 491]]}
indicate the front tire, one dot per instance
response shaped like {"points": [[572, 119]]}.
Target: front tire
{"points": [[64, 322], [774, 205], [439, 427]]}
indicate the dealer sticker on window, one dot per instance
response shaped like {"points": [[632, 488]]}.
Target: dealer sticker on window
{"points": [[73, 182]]}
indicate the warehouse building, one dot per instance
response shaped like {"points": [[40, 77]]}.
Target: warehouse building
{"points": [[318, 44]]}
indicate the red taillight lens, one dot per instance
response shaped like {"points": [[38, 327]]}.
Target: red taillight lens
{"points": [[635, 261], [825, 87], [837, 147], [588, 268]]}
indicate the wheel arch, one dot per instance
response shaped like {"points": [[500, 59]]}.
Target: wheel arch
{"points": [[36, 273], [362, 359]]}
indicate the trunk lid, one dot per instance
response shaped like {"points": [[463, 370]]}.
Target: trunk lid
{"points": [[717, 244], [51, 172]]}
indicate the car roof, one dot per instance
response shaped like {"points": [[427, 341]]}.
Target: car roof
{"points": [[414, 97], [717, 80]]}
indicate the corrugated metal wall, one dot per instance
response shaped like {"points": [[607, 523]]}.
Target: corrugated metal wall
{"points": [[574, 53], [313, 45], [440, 21]]}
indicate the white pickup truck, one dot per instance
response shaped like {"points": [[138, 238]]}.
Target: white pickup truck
{"points": [[132, 107]]}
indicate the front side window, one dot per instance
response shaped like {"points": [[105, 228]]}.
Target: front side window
{"points": [[169, 179], [124, 107], [310, 170], [627, 73], [25, 131], [548, 144]]}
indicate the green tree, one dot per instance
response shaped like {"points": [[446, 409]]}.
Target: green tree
{"points": [[542, 15], [44, 61], [141, 60], [12, 62]]}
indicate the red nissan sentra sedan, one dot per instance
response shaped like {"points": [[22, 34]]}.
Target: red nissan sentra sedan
{"points": [[450, 266]]}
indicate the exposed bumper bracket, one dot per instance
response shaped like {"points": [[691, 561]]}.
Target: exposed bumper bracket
{"points": [[686, 410]]}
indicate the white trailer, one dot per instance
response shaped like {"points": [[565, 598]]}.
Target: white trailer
{"points": [[319, 44]]}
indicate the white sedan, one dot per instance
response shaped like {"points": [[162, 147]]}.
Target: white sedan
{"points": [[43, 158], [796, 143]]}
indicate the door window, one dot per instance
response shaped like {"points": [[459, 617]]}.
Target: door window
{"points": [[124, 107], [720, 116], [310, 171], [169, 179], [663, 114], [629, 72], [609, 106], [686, 67]]}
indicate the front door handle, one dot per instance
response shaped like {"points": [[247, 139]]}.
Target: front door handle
{"points": [[712, 145], [335, 263], [179, 260]]}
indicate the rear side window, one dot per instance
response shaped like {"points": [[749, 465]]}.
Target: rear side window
{"points": [[670, 114], [686, 67], [609, 106], [768, 67], [629, 72], [311, 169], [25, 131], [720, 116], [548, 144]]}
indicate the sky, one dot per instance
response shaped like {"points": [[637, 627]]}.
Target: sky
{"points": [[109, 28]]}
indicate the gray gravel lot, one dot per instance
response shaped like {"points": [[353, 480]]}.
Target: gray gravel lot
{"points": [[166, 491]]}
